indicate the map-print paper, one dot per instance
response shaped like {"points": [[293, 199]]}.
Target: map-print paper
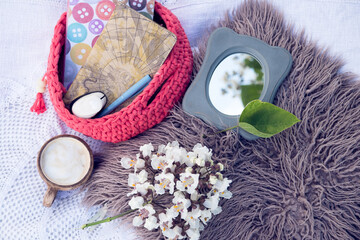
{"points": [[130, 47], [86, 19]]}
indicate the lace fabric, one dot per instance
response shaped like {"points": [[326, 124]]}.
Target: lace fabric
{"points": [[22, 215]]}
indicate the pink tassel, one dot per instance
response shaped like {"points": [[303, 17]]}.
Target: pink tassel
{"points": [[39, 104]]}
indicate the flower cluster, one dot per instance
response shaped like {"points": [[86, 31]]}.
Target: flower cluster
{"points": [[191, 179]]}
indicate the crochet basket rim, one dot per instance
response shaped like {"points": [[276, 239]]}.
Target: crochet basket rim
{"points": [[168, 85]]}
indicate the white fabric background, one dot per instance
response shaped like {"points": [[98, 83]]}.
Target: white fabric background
{"points": [[25, 36]]}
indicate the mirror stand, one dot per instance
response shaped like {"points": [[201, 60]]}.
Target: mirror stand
{"points": [[236, 70]]}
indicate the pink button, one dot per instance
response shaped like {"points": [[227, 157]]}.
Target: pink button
{"points": [[104, 9], [94, 41], [150, 6], [83, 12]]}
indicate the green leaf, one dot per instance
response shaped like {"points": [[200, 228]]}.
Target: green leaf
{"points": [[264, 119], [251, 129], [250, 92]]}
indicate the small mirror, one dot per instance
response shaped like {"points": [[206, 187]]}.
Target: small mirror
{"points": [[235, 82], [236, 70]]}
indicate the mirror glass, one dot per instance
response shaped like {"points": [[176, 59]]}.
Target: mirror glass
{"points": [[236, 81]]}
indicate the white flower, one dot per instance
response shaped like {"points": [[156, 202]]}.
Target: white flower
{"points": [[175, 153], [128, 163], [201, 227], [169, 233], [165, 160], [226, 194], [213, 179], [177, 230], [192, 218], [181, 205], [194, 234], [161, 149], [166, 181], [188, 182], [137, 221], [161, 162], [151, 223], [190, 159], [141, 188], [205, 216], [145, 212], [222, 185], [165, 224], [147, 149], [195, 196], [135, 178], [217, 210], [202, 152], [212, 202], [200, 162], [136, 202]]}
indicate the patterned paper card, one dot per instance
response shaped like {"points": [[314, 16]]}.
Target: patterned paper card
{"points": [[85, 21], [130, 47]]}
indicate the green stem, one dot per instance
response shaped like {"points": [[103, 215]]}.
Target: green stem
{"points": [[227, 129], [205, 136], [109, 219]]}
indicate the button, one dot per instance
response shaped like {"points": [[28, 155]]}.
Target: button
{"points": [[150, 7], [83, 12], [67, 46], [73, 2], [104, 9], [79, 53], [137, 4], [70, 72], [94, 41], [146, 14], [69, 12], [93, 1], [76, 32], [96, 26]]}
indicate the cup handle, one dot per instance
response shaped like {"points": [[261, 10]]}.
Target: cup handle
{"points": [[49, 196]]}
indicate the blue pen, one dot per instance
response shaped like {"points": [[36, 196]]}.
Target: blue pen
{"points": [[132, 91]]}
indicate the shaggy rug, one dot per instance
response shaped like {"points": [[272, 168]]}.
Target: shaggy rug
{"points": [[303, 183]]}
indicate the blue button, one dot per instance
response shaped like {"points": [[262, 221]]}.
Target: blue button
{"points": [[76, 32]]}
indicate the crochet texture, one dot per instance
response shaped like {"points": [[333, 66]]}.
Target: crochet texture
{"points": [[148, 109]]}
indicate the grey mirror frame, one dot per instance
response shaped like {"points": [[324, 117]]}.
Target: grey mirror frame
{"points": [[276, 63]]}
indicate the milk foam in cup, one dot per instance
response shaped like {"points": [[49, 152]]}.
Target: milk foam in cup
{"points": [[64, 162]]}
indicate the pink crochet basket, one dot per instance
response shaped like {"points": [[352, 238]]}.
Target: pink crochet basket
{"points": [[148, 109]]}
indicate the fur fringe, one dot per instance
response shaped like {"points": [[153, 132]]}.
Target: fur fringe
{"points": [[300, 184]]}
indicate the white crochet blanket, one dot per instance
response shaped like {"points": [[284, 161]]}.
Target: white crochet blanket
{"points": [[26, 31]]}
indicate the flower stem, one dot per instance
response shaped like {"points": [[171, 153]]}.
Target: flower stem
{"points": [[227, 129], [109, 219]]}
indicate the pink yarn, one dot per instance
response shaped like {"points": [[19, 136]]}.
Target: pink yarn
{"points": [[173, 77]]}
